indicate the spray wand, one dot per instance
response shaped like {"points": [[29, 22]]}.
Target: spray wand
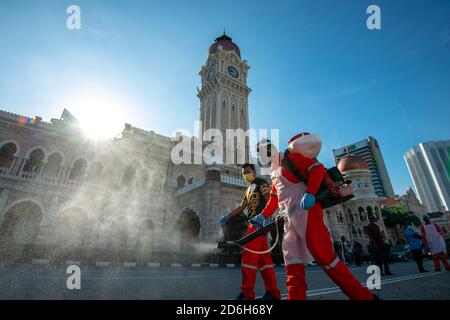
{"points": [[260, 232]]}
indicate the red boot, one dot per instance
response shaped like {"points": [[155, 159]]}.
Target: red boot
{"points": [[296, 282]]}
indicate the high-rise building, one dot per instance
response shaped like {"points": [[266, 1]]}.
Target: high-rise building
{"points": [[369, 149], [429, 166]]}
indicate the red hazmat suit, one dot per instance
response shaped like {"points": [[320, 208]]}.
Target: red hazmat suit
{"points": [[306, 237]]}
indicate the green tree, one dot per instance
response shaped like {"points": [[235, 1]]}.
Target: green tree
{"points": [[398, 216]]}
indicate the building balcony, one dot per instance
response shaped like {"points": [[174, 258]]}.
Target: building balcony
{"points": [[227, 179], [233, 180], [29, 177]]}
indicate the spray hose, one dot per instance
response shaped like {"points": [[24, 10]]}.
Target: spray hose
{"points": [[268, 250], [241, 242]]}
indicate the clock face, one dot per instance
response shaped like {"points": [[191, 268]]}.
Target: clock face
{"points": [[211, 72], [232, 71]]}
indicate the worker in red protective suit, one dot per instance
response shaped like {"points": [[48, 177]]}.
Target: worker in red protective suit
{"points": [[255, 254], [306, 237], [434, 238]]}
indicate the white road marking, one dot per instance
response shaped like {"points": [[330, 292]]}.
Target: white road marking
{"points": [[325, 291]]}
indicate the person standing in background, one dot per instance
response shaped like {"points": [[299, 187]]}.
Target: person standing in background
{"points": [[415, 245], [357, 253], [432, 234], [380, 249], [348, 252]]}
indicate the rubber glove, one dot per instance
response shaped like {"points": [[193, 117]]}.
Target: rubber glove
{"points": [[224, 219], [308, 201], [258, 220], [267, 221]]}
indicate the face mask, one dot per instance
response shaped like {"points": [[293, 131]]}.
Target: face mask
{"points": [[249, 177]]}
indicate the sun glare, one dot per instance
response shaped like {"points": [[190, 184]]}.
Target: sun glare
{"points": [[101, 116]]}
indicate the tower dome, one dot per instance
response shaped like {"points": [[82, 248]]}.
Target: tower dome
{"points": [[226, 43], [352, 163]]}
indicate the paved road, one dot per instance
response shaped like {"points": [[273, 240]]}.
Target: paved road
{"points": [[49, 282]]}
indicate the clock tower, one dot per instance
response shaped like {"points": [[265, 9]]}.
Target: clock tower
{"points": [[224, 91]]}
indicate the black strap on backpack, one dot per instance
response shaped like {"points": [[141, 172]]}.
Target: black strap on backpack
{"points": [[287, 163]]}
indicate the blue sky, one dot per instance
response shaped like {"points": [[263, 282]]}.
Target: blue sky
{"points": [[314, 66]]}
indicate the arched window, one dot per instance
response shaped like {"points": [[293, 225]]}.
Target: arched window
{"points": [[146, 236], [78, 170], [369, 211], [35, 161], [359, 233], [181, 181], [340, 217], [21, 223], [143, 179], [72, 227], [128, 175], [188, 224], [7, 154], [53, 165], [119, 232], [361, 214], [354, 233], [350, 216]]}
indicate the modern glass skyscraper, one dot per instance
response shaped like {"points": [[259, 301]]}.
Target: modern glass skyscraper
{"points": [[369, 149], [429, 166]]}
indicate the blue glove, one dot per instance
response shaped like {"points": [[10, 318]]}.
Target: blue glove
{"points": [[308, 201], [224, 219], [267, 221], [258, 220]]}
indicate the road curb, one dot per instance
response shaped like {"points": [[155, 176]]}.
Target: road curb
{"points": [[153, 264], [175, 265], [40, 261], [129, 264], [102, 264]]}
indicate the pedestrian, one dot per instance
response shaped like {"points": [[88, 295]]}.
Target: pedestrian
{"points": [[432, 234], [371, 253], [415, 245], [296, 178], [255, 199], [348, 252], [380, 249], [357, 253], [338, 249]]}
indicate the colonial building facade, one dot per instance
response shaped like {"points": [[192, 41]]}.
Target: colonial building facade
{"points": [[65, 196], [61, 192]]}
